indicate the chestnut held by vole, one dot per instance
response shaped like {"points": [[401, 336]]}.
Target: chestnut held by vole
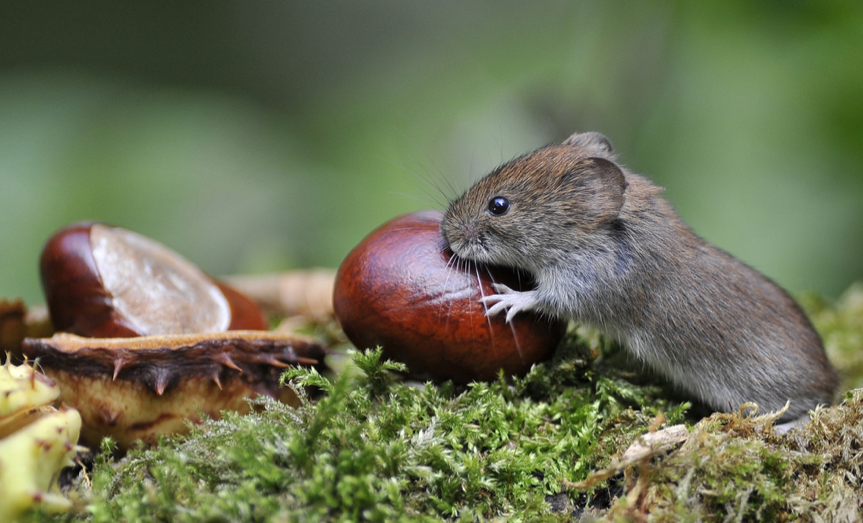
{"points": [[607, 250]]}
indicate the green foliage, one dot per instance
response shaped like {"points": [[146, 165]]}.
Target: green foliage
{"points": [[749, 113]]}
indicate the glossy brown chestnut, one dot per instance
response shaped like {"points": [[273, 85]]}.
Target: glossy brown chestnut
{"points": [[400, 289], [102, 281]]}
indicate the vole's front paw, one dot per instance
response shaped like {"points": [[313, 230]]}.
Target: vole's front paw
{"points": [[509, 300]]}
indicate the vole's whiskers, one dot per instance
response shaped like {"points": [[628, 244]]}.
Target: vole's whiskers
{"points": [[485, 308], [452, 264]]}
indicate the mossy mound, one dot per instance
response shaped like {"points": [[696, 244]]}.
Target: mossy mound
{"points": [[375, 448]]}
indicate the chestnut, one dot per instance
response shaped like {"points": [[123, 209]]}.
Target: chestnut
{"points": [[400, 288], [103, 281]]}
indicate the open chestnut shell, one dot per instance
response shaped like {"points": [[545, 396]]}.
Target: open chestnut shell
{"points": [[400, 289], [143, 387], [102, 281]]}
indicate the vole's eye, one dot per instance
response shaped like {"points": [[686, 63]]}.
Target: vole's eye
{"points": [[498, 205]]}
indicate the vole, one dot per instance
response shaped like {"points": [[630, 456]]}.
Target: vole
{"points": [[605, 249]]}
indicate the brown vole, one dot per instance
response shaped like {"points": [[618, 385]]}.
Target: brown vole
{"points": [[605, 249]]}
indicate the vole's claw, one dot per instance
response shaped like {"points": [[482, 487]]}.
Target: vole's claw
{"points": [[493, 303], [503, 289], [509, 300], [496, 308]]}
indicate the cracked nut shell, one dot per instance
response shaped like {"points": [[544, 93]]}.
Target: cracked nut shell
{"points": [[140, 388]]}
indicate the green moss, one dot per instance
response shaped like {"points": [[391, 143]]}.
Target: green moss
{"points": [[735, 468], [375, 448], [372, 447]]}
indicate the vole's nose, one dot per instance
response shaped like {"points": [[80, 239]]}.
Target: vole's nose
{"points": [[470, 232]]}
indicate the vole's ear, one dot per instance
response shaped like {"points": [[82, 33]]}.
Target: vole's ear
{"points": [[593, 141], [598, 187]]}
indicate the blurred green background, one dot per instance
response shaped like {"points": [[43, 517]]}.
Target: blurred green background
{"points": [[256, 136]]}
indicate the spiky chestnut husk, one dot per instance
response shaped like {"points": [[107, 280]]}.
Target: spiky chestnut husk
{"points": [[140, 388], [22, 389], [36, 441], [400, 288]]}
